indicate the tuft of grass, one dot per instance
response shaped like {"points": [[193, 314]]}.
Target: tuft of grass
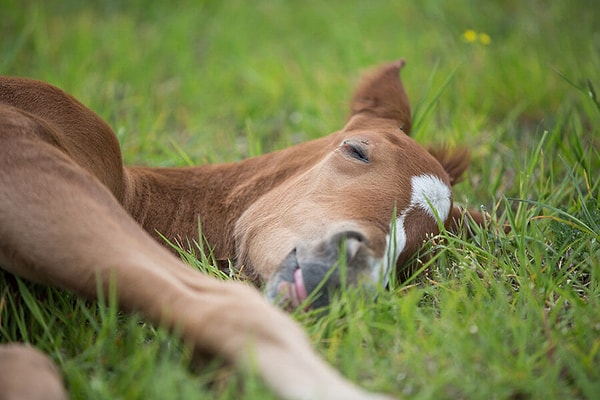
{"points": [[499, 315]]}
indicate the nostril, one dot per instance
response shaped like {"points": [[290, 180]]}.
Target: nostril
{"points": [[354, 235], [352, 241], [352, 247]]}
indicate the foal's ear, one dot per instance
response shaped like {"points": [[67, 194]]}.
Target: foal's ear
{"points": [[380, 94], [454, 161]]}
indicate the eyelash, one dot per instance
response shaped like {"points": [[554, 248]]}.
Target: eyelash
{"points": [[357, 152]]}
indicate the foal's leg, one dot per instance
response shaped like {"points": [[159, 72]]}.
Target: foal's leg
{"points": [[25, 373], [60, 226]]}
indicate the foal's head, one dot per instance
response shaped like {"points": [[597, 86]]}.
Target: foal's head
{"points": [[369, 196]]}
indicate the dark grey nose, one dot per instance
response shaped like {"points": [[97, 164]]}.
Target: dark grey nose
{"points": [[339, 260]]}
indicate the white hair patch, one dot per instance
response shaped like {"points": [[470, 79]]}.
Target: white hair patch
{"points": [[395, 244], [430, 194]]}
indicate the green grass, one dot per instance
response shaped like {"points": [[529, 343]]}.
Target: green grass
{"points": [[504, 315]]}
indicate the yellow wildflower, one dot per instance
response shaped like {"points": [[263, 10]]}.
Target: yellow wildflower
{"points": [[469, 36], [485, 39]]}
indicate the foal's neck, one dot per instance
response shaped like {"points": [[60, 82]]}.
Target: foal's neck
{"points": [[172, 201]]}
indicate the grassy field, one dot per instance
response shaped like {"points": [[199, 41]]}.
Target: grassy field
{"points": [[502, 316]]}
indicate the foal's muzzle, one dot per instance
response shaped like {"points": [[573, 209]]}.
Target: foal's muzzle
{"points": [[310, 274]]}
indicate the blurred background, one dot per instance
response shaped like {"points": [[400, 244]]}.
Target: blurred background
{"points": [[227, 79]]}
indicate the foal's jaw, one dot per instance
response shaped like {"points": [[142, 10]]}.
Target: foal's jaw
{"points": [[311, 272]]}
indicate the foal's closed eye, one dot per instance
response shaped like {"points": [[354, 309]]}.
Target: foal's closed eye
{"points": [[356, 151]]}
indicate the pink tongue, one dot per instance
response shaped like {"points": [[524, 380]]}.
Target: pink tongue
{"points": [[299, 284]]}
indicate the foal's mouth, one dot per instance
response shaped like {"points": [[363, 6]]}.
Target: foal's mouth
{"points": [[293, 294], [287, 287], [309, 275]]}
